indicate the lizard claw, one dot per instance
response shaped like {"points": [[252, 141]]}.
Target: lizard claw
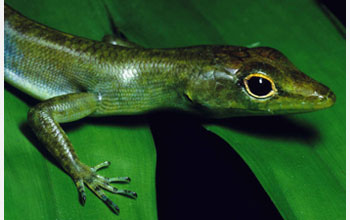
{"points": [[97, 183], [81, 190]]}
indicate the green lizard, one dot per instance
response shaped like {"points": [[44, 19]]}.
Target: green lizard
{"points": [[76, 77]]}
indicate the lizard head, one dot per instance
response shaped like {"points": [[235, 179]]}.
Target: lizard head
{"points": [[256, 81]]}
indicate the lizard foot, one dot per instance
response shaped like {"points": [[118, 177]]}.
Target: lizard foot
{"points": [[97, 182]]}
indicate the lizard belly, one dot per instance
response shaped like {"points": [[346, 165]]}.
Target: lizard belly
{"points": [[37, 72]]}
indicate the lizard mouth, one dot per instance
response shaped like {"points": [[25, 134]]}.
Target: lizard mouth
{"points": [[298, 104], [325, 101]]}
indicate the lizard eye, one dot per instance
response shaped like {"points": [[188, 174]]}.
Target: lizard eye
{"points": [[259, 85]]}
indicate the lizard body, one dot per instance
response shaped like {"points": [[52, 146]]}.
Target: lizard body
{"points": [[77, 77]]}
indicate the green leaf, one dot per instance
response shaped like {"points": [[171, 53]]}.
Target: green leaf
{"points": [[299, 160]]}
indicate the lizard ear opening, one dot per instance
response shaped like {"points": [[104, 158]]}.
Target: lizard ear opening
{"points": [[259, 86]]}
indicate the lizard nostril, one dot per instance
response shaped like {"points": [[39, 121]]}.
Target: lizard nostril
{"points": [[328, 99]]}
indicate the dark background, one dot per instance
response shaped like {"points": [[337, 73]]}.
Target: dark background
{"points": [[197, 167], [336, 7]]}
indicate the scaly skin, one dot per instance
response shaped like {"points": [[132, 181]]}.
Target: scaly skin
{"points": [[76, 77]]}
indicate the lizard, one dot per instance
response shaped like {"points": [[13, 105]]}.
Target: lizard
{"points": [[74, 77]]}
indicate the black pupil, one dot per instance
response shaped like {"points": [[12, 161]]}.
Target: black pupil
{"points": [[259, 86]]}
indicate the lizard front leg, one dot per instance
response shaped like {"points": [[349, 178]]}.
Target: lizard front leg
{"points": [[44, 119]]}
